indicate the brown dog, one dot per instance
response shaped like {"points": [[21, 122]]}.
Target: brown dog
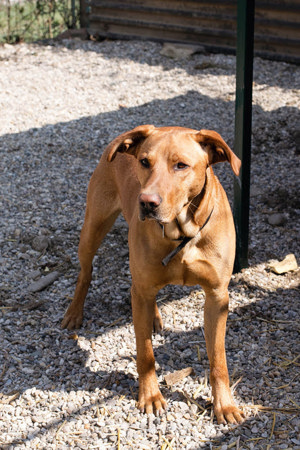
{"points": [[181, 231]]}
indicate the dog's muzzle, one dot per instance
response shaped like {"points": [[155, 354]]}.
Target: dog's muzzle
{"points": [[149, 204]]}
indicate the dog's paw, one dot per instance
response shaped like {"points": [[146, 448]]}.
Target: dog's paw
{"points": [[228, 414], [72, 320], [152, 404], [150, 398]]}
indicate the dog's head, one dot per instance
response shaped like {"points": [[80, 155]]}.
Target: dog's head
{"points": [[172, 164]]}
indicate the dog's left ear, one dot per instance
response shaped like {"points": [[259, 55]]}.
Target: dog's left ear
{"points": [[127, 142], [217, 149]]}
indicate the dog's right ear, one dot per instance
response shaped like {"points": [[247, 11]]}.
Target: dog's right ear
{"points": [[127, 142]]}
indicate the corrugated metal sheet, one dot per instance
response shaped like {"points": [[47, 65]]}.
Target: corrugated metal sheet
{"points": [[211, 24]]}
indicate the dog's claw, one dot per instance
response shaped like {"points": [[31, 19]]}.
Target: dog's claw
{"points": [[153, 404], [229, 414]]}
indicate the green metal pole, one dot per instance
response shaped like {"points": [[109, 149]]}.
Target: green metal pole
{"points": [[243, 122]]}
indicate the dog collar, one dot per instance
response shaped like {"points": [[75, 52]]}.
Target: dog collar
{"points": [[183, 243]]}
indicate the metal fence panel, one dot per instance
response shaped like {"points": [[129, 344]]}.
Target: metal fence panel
{"points": [[209, 23]]}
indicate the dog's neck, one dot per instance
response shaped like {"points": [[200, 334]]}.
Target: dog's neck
{"points": [[194, 214]]}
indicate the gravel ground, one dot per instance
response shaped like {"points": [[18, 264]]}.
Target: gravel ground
{"points": [[60, 104]]}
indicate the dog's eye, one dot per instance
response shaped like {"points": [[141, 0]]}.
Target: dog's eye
{"points": [[181, 166], [145, 163]]}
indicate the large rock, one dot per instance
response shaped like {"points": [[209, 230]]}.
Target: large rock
{"points": [[287, 265], [277, 219], [179, 51]]}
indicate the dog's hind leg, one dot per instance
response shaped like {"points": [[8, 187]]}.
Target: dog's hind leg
{"points": [[101, 213], [157, 321]]}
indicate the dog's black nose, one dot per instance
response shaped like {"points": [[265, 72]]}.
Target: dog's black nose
{"points": [[149, 202]]}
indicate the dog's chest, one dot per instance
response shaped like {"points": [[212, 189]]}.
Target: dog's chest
{"points": [[188, 267], [190, 255]]}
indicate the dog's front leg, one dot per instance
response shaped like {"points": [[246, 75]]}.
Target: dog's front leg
{"points": [[143, 311], [215, 316]]}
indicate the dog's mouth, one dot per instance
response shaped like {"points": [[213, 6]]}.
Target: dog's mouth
{"points": [[162, 220], [150, 216], [155, 215]]}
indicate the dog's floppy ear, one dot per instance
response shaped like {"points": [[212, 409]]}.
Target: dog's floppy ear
{"points": [[218, 150], [127, 142]]}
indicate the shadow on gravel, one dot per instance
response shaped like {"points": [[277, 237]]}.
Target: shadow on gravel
{"points": [[207, 63], [46, 171], [46, 190]]}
